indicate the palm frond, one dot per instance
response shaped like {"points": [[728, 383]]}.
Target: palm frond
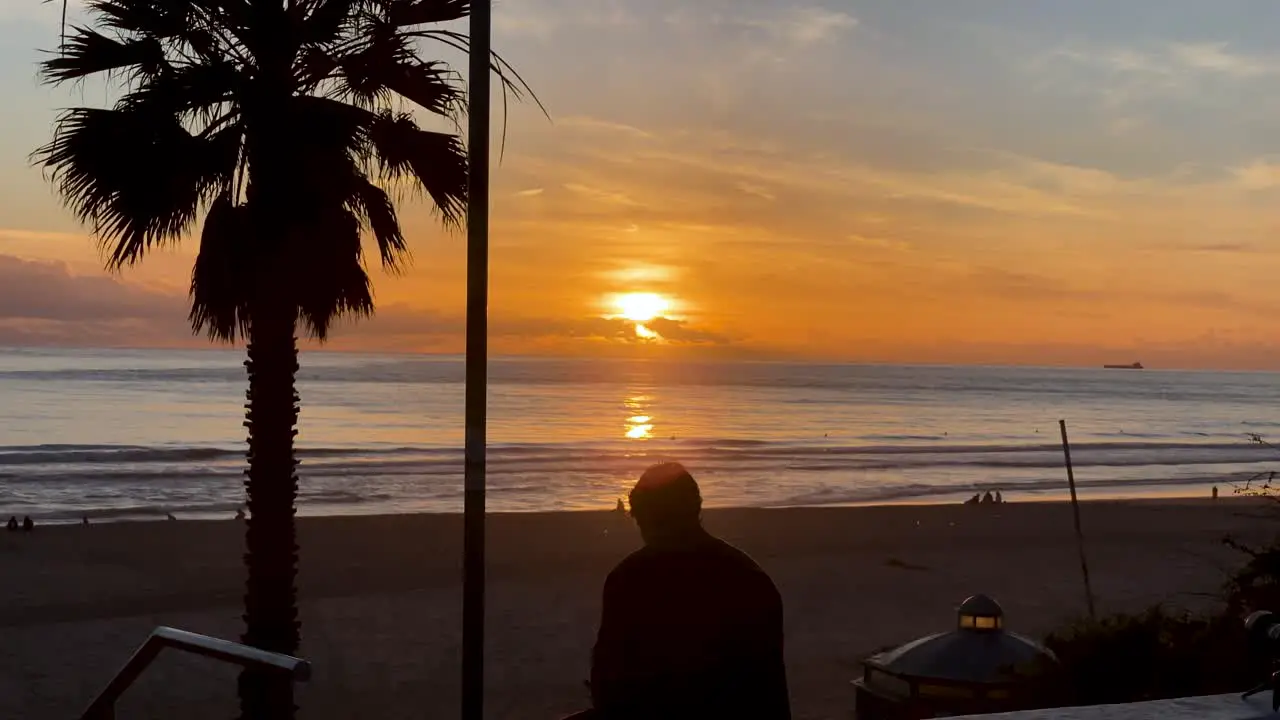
{"points": [[143, 17], [513, 84], [220, 284], [510, 78], [331, 126], [435, 162], [137, 178], [325, 20], [326, 259], [433, 86], [360, 70], [87, 52], [211, 28], [333, 158], [188, 89], [370, 202]]}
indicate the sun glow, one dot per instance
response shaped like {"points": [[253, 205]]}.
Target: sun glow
{"points": [[640, 307]]}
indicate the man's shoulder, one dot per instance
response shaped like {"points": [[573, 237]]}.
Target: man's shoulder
{"points": [[712, 552], [745, 566], [735, 556], [637, 560]]}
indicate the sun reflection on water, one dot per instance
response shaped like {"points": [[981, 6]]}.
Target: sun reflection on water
{"points": [[639, 424]]}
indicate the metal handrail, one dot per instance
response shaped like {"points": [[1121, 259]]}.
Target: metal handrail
{"points": [[104, 706]]}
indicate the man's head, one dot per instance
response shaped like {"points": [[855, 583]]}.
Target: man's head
{"points": [[666, 501]]}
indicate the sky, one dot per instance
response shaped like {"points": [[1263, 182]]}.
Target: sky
{"points": [[967, 181]]}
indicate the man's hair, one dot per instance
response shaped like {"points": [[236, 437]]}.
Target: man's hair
{"points": [[666, 495]]}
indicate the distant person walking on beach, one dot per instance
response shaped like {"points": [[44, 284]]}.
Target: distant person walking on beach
{"points": [[999, 498], [987, 499], [27, 525], [691, 626], [1215, 492], [12, 526]]}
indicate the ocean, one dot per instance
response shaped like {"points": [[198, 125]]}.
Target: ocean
{"points": [[117, 434]]}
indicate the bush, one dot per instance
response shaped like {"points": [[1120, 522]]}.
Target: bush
{"points": [[1153, 655], [1256, 586]]}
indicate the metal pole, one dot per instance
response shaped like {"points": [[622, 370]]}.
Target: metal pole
{"points": [[477, 362], [1075, 509]]}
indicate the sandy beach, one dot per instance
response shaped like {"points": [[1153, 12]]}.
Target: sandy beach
{"points": [[381, 599]]}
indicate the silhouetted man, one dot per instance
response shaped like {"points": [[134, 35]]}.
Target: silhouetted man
{"points": [[27, 525], [691, 627]]}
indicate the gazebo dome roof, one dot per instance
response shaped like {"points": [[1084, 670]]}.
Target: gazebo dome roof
{"points": [[978, 651]]}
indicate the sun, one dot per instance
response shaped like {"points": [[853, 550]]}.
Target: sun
{"points": [[641, 307]]}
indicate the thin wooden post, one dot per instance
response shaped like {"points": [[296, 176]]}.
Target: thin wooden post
{"points": [[477, 362], [1075, 510]]}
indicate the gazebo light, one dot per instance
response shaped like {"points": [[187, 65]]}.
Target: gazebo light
{"points": [[981, 613]]}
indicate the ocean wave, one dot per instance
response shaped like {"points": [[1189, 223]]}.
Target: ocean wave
{"points": [[371, 458]]}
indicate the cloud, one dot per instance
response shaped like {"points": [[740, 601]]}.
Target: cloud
{"points": [[45, 290], [1258, 175], [1170, 60], [1186, 71], [621, 330], [803, 26], [878, 243], [1224, 247], [582, 122], [601, 195], [17, 234], [542, 19], [44, 303], [1217, 58], [1010, 185], [1026, 286], [631, 273], [403, 327], [679, 331], [756, 190]]}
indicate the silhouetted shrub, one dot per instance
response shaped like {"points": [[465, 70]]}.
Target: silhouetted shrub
{"points": [[1256, 586], [1152, 655]]}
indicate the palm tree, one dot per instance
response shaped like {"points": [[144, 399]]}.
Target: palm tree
{"points": [[287, 127]]}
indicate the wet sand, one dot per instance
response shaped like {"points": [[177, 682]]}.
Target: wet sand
{"points": [[381, 600]]}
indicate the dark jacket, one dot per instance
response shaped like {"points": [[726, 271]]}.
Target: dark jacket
{"points": [[693, 631]]}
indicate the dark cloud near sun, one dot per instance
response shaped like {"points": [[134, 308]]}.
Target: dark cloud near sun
{"points": [[681, 332], [44, 303], [45, 290], [619, 329]]}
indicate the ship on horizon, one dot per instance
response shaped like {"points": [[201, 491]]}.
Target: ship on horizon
{"points": [[1130, 366]]}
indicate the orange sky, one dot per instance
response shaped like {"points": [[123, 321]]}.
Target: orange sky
{"points": [[1029, 184]]}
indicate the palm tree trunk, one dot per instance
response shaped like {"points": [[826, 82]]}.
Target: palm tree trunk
{"points": [[271, 548]]}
